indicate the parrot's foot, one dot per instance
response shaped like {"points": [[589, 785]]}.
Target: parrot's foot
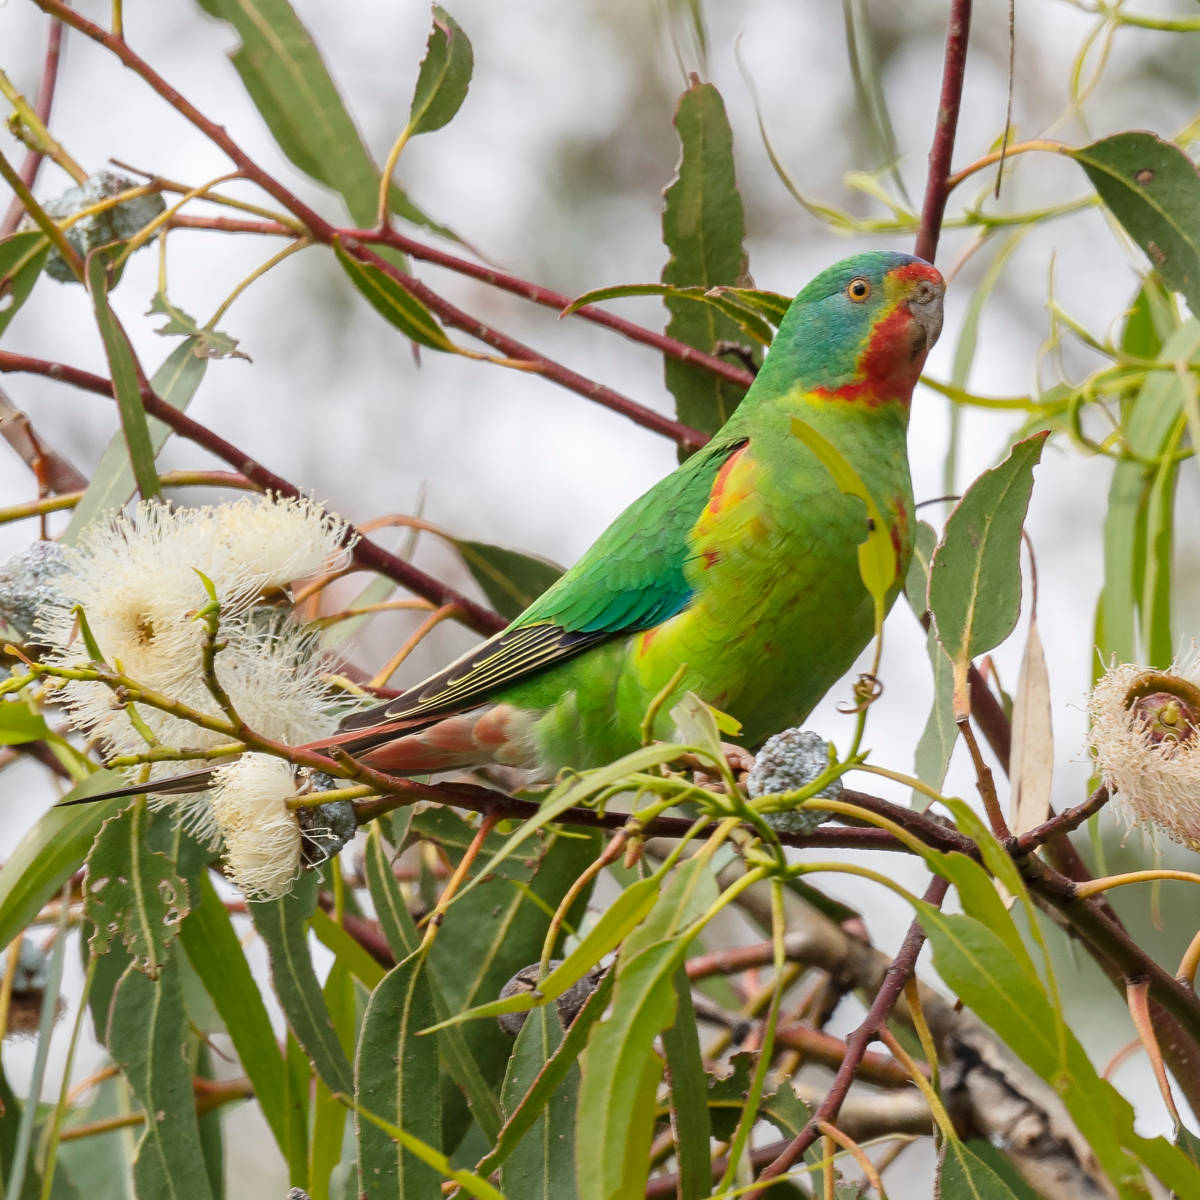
{"points": [[740, 760]]}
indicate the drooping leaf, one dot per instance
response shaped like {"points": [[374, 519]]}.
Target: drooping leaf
{"points": [[510, 580], [499, 928], [1151, 319], [975, 575], [396, 1073], [1152, 187], [283, 926], [621, 1074], [1149, 425], [754, 312], [542, 1164], [392, 302], [22, 257], [329, 1114], [213, 948], [689, 1096], [123, 368], [444, 76], [212, 1141], [1031, 764], [983, 972], [703, 229], [175, 383], [403, 938], [296, 96], [133, 891], [876, 554], [148, 1033]]}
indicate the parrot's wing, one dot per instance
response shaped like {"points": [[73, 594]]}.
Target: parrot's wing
{"points": [[630, 579]]}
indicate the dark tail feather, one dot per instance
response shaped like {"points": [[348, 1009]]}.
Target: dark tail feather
{"points": [[193, 781]]}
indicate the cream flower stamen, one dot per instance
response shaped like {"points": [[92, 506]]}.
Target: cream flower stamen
{"points": [[1146, 740], [261, 835]]}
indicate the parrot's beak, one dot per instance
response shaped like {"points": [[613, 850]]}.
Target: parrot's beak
{"points": [[925, 304]]}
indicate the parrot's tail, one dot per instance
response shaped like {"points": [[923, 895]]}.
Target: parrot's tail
{"points": [[498, 733], [174, 785]]}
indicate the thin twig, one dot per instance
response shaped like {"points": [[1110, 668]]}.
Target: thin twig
{"points": [[42, 106], [937, 184], [366, 553], [857, 1043]]}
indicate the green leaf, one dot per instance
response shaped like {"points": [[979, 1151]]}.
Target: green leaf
{"points": [[613, 926], [283, 926], [510, 580], [22, 258], [133, 891], [620, 1075], [689, 1096], [558, 1069], [542, 1164], [499, 929], [348, 952], [19, 723], [1149, 425], [703, 228], [976, 963], [175, 383], [876, 554], [123, 367], [206, 343], [1155, 602], [403, 938], [753, 311], [975, 575], [444, 76], [329, 1115], [936, 744], [290, 85], [1151, 319], [1152, 188], [393, 303], [49, 853], [148, 1033], [962, 1175], [213, 949], [212, 1143], [396, 1073]]}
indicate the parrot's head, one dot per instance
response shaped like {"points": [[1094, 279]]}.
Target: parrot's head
{"points": [[861, 329]]}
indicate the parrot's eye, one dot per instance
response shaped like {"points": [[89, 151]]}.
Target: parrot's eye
{"points": [[858, 290]]}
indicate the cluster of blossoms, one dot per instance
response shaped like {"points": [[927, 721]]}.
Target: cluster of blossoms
{"points": [[137, 583], [1145, 735]]}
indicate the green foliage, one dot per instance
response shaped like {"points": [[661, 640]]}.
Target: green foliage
{"points": [[974, 575], [1153, 189], [388, 979], [703, 228]]}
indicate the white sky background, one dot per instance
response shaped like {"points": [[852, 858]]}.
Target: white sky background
{"points": [[554, 169]]}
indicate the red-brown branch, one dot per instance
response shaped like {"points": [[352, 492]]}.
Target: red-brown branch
{"points": [[42, 106], [366, 552], [897, 976], [937, 186]]}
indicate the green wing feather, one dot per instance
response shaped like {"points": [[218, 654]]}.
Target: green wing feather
{"points": [[631, 578]]}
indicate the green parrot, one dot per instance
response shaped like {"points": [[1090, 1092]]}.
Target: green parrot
{"points": [[737, 576], [738, 572]]}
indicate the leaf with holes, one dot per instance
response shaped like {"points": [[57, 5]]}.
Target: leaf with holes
{"points": [[133, 891], [1152, 187]]}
